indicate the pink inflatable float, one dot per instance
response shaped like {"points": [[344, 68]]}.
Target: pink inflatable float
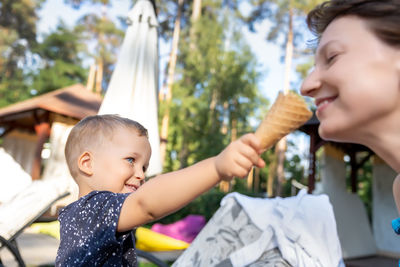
{"points": [[185, 229]]}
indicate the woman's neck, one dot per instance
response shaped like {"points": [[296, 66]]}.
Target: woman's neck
{"points": [[386, 144]]}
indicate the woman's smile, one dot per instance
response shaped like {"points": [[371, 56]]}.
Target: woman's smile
{"points": [[323, 102]]}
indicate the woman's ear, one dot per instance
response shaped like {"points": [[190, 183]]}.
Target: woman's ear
{"points": [[85, 163]]}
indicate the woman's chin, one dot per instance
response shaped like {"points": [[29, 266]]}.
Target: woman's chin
{"points": [[332, 134]]}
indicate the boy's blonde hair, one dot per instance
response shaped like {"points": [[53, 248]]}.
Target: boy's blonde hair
{"points": [[91, 131]]}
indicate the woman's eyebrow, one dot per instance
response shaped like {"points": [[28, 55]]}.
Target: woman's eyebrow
{"points": [[321, 49]]}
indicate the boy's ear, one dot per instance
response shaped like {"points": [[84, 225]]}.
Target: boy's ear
{"points": [[85, 163]]}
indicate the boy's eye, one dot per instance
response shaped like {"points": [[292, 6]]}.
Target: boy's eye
{"points": [[130, 160]]}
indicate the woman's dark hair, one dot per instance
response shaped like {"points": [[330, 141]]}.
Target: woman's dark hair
{"points": [[381, 16]]}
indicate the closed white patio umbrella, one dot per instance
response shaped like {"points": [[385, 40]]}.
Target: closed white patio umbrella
{"points": [[133, 87]]}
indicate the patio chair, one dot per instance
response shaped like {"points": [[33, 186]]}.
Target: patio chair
{"points": [[255, 232], [24, 209], [23, 201]]}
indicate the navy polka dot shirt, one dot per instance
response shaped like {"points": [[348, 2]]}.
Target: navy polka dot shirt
{"points": [[89, 234]]}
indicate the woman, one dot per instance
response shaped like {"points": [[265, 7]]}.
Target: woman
{"points": [[356, 78]]}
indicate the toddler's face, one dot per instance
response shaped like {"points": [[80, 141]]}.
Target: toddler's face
{"points": [[119, 165], [355, 81]]}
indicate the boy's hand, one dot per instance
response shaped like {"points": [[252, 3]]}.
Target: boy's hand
{"points": [[239, 157]]}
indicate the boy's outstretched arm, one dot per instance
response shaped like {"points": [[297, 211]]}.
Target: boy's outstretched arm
{"points": [[169, 192]]}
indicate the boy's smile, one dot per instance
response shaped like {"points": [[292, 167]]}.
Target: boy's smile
{"points": [[131, 187]]}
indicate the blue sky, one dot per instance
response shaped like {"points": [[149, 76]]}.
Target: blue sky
{"points": [[268, 54]]}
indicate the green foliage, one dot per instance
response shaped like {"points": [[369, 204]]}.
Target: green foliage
{"points": [[17, 36], [295, 171], [27, 67], [214, 95], [58, 75], [293, 166], [102, 33], [215, 92], [19, 17], [60, 64], [14, 88], [146, 264], [63, 44], [107, 39]]}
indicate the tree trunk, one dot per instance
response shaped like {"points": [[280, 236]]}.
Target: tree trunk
{"points": [[224, 128], [257, 185], [99, 76], [170, 80], [288, 53], [196, 13], [281, 146], [90, 81], [212, 114], [271, 175], [250, 179], [280, 160], [225, 186]]}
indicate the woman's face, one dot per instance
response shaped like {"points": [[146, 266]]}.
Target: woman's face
{"points": [[355, 82]]}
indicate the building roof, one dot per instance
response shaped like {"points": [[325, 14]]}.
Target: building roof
{"points": [[72, 102]]}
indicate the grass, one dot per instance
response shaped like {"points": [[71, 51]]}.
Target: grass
{"points": [[146, 264], [141, 264]]}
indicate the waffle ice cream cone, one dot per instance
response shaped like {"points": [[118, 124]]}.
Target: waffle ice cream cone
{"points": [[288, 113]]}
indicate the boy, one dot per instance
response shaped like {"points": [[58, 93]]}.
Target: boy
{"points": [[108, 156]]}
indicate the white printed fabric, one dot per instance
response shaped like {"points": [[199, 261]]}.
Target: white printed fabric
{"points": [[295, 231], [227, 231]]}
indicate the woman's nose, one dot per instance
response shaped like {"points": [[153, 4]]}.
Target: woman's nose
{"points": [[310, 84]]}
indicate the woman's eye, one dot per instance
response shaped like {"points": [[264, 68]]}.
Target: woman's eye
{"points": [[130, 160], [331, 58]]}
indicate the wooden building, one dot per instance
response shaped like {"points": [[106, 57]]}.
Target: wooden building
{"points": [[26, 126]]}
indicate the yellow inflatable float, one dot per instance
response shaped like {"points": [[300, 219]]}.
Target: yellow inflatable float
{"points": [[146, 239], [47, 228], [149, 240]]}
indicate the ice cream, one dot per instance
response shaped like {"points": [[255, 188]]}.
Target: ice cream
{"points": [[288, 113]]}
